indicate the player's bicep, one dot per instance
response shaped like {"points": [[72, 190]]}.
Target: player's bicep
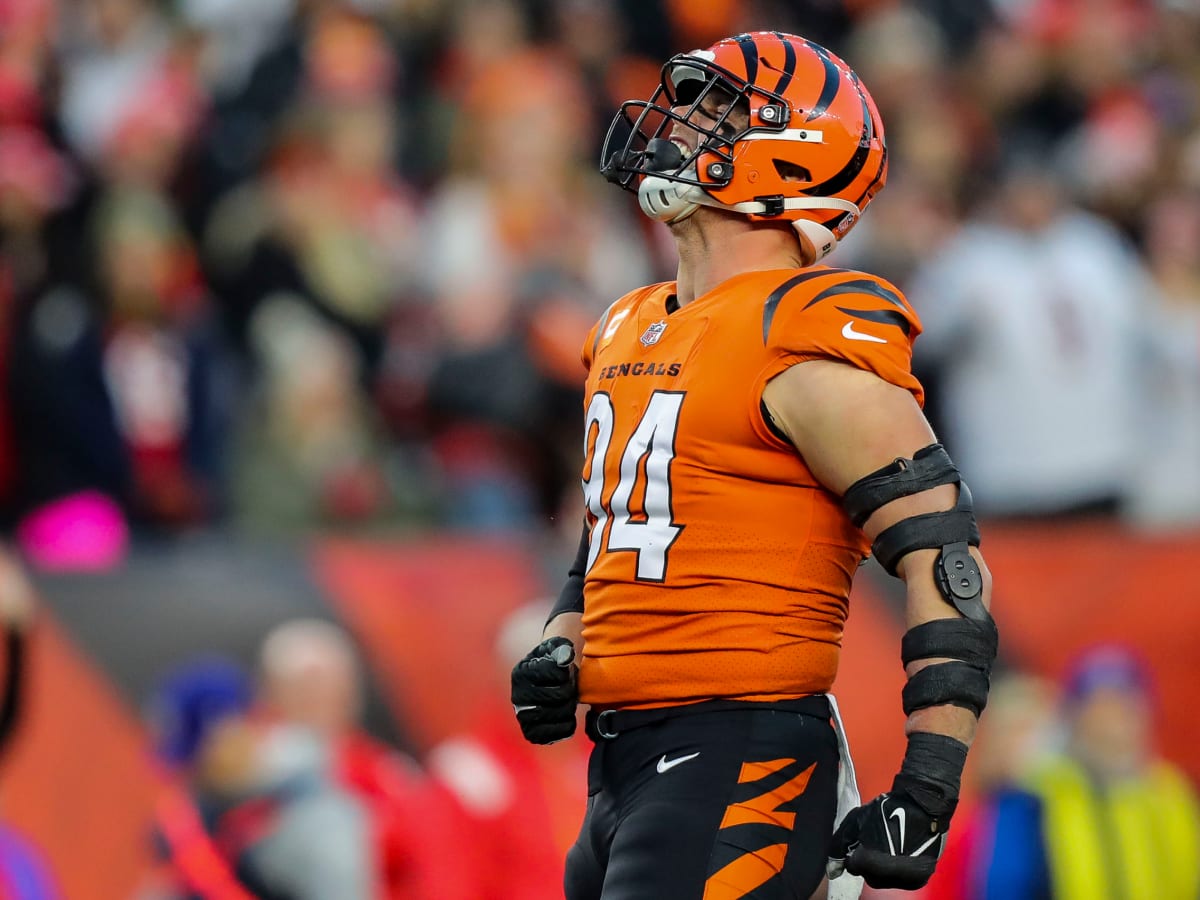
{"points": [[847, 423], [844, 421]]}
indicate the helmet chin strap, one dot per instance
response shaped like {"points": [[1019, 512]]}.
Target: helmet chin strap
{"points": [[670, 201]]}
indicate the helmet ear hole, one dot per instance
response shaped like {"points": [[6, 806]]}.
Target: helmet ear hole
{"points": [[790, 171], [687, 91]]}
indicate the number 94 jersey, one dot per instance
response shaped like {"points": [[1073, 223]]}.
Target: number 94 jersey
{"points": [[718, 566]]}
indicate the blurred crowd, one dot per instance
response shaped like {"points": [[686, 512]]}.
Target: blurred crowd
{"points": [[287, 265]]}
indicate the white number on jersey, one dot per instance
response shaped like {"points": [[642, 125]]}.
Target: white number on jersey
{"points": [[652, 532]]}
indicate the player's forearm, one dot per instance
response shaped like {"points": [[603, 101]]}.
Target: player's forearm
{"points": [[568, 625], [925, 604]]}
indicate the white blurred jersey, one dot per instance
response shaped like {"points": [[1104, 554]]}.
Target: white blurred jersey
{"points": [[1037, 339]]}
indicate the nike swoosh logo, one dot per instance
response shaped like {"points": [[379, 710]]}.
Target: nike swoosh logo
{"points": [[898, 813], [925, 846], [664, 764], [849, 333]]}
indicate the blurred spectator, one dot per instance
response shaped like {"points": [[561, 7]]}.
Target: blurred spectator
{"points": [[309, 452], [110, 52], [1105, 817], [1032, 320], [1167, 483], [328, 219], [162, 358], [311, 679], [114, 393], [511, 205], [501, 414], [522, 805], [249, 811], [35, 182]]}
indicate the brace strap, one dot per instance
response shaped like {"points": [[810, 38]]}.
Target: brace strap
{"points": [[974, 643], [927, 532], [954, 683], [930, 467]]}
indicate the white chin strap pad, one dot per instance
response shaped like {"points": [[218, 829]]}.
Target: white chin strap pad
{"points": [[815, 239], [666, 200]]}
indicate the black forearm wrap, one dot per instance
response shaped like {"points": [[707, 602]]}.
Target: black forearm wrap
{"points": [[954, 683], [932, 772], [570, 598], [930, 467], [975, 643]]}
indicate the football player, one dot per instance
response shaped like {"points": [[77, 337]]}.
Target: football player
{"points": [[752, 431]]}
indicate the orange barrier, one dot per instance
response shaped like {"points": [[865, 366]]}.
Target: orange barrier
{"points": [[76, 781]]}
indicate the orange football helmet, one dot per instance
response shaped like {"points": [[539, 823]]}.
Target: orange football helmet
{"points": [[811, 151]]}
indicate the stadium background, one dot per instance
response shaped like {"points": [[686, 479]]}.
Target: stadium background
{"points": [[292, 293]]}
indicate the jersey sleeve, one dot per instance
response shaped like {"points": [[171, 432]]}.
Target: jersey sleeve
{"points": [[849, 317], [588, 351]]}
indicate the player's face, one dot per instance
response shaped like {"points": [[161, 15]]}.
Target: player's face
{"points": [[713, 113]]}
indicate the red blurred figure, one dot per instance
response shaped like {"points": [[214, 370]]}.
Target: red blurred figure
{"points": [[521, 805], [311, 677]]}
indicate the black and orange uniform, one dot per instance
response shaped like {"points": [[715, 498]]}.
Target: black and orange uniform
{"points": [[718, 577]]}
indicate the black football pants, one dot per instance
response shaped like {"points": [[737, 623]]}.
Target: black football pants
{"points": [[717, 801]]}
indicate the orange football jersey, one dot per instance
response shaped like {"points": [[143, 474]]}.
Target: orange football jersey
{"points": [[718, 566]]}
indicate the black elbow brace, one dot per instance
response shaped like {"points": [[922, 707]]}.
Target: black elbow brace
{"points": [[969, 644], [953, 531]]}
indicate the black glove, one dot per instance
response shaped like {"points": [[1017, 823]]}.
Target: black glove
{"points": [[892, 842], [895, 840], [545, 692]]}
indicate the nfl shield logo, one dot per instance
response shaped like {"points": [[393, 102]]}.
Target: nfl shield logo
{"points": [[653, 333]]}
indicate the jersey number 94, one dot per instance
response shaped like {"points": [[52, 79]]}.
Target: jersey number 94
{"points": [[645, 470]]}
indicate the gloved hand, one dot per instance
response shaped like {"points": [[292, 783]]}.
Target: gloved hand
{"points": [[892, 842], [545, 692]]}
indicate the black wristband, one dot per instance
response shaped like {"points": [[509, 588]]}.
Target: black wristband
{"points": [[13, 694], [932, 772]]}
